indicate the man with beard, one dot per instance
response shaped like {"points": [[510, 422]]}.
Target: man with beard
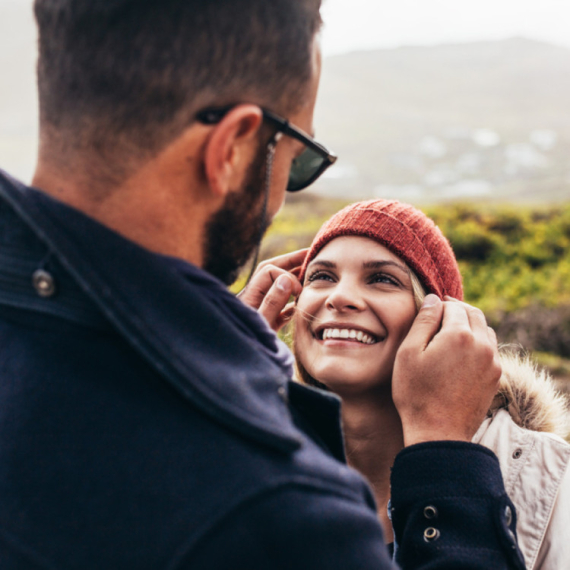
{"points": [[148, 417]]}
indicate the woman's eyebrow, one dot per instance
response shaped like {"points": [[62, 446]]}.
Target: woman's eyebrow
{"points": [[323, 263], [384, 263]]}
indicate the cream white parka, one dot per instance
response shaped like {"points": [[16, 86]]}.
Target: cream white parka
{"points": [[525, 429]]}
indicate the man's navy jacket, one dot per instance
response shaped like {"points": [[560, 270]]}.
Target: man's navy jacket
{"points": [[148, 421]]}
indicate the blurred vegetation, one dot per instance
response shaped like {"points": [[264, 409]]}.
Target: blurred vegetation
{"points": [[510, 258], [515, 263]]}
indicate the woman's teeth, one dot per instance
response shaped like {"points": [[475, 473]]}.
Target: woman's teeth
{"points": [[351, 334]]}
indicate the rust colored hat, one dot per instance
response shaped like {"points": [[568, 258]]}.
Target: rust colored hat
{"points": [[406, 232]]}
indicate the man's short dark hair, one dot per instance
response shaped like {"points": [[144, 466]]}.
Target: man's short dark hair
{"points": [[138, 70]]}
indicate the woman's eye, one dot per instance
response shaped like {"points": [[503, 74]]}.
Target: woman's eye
{"points": [[319, 276], [383, 278]]}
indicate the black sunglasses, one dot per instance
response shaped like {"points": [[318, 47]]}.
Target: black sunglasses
{"points": [[307, 167]]}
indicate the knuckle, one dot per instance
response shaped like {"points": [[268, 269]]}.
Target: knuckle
{"points": [[464, 338], [487, 352], [497, 370], [478, 314], [267, 267], [257, 292], [271, 302], [426, 317], [272, 269]]}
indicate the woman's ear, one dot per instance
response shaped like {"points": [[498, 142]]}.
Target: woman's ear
{"points": [[231, 148]]}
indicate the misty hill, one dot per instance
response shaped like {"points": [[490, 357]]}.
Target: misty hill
{"points": [[480, 120], [476, 120]]}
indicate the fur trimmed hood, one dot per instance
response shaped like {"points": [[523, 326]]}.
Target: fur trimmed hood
{"points": [[525, 421], [530, 396]]}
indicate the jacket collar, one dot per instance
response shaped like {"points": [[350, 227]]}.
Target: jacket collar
{"points": [[534, 465], [216, 352], [531, 396], [526, 423]]}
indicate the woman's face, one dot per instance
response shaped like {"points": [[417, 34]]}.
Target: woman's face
{"points": [[356, 307]]}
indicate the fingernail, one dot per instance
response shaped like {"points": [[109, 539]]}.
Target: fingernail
{"points": [[283, 283], [430, 301]]}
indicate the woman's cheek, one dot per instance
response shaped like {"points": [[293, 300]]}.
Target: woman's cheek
{"points": [[406, 309], [309, 302]]}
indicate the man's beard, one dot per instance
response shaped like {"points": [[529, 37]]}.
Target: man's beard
{"points": [[233, 233]]}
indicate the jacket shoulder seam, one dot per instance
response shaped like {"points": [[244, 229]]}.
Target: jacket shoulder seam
{"points": [[306, 483]]}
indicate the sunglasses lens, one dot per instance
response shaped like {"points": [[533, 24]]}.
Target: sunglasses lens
{"points": [[305, 169]]}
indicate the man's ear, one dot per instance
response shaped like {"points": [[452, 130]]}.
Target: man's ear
{"points": [[231, 147]]}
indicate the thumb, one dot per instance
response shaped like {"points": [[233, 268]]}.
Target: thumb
{"points": [[426, 324]]}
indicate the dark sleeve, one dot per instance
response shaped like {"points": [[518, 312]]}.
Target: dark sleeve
{"points": [[450, 510], [306, 529], [295, 528]]}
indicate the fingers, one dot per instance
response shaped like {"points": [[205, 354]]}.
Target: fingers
{"points": [[276, 300], [262, 282], [288, 261], [483, 334], [492, 336], [286, 315], [426, 324], [271, 286], [455, 316], [444, 391], [477, 321]]}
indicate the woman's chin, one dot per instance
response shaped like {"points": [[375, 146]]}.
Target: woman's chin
{"points": [[347, 382]]}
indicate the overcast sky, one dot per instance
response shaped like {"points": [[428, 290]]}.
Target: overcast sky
{"points": [[365, 24]]}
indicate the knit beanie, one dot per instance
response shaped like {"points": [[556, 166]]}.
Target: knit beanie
{"points": [[406, 232]]}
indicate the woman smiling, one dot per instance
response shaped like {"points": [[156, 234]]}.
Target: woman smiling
{"points": [[356, 308], [364, 279], [360, 297]]}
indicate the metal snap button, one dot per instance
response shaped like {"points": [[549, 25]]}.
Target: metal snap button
{"points": [[508, 515], [282, 391], [517, 453], [431, 534], [430, 512], [43, 283]]}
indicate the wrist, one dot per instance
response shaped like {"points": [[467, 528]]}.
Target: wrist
{"points": [[419, 435]]}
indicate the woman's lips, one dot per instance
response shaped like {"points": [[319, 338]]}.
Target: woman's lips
{"points": [[346, 333]]}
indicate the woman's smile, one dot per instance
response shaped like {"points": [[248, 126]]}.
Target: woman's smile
{"points": [[346, 333], [355, 310]]}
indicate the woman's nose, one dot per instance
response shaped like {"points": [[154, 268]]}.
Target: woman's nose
{"points": [[345, 297]]}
